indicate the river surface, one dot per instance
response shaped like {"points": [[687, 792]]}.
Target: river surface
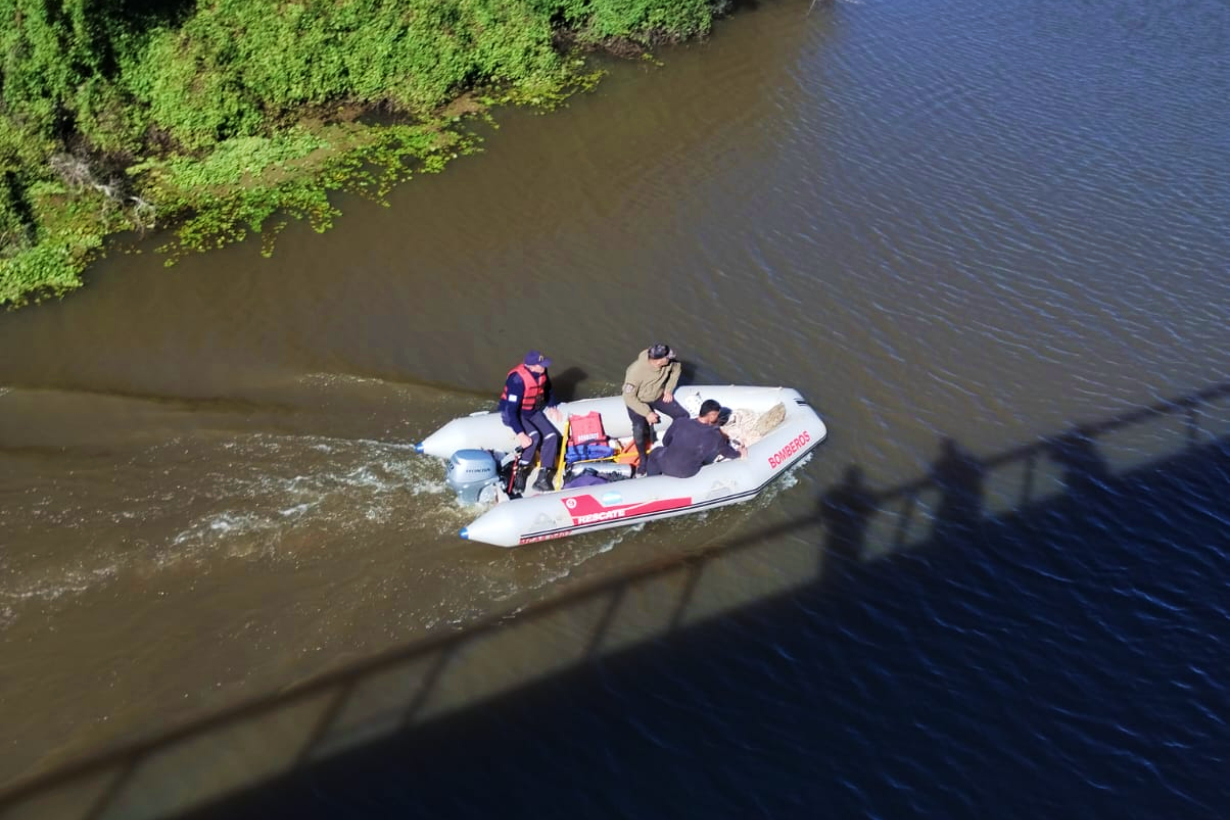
{"points": [[958, 227]]}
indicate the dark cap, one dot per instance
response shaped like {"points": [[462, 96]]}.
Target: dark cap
{"points": [[534, 357], [661, 351]]}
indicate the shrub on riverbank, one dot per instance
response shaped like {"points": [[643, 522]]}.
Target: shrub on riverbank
{"points": [[214, 117]]}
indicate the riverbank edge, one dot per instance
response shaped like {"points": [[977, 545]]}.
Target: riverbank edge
{"points": [[259, 184]]}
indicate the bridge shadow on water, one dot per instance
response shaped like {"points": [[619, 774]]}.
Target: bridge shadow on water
{"points": [[1039, 633]]}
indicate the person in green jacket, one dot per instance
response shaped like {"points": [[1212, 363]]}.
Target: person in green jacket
{"points": [[649, 389]]}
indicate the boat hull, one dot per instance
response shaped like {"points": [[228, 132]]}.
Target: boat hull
{"points": [[567, 512]]}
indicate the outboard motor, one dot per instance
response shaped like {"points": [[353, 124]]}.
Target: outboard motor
{"points": [[470, 472]]}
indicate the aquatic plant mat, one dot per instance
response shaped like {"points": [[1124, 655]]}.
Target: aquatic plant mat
{"points": [[218, 120]]}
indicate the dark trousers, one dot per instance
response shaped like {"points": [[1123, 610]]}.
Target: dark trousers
{"points": [[543, 434], [643, 433]]}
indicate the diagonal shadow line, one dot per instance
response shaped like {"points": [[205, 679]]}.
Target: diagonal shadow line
{"points": [[695, 568], [429, 684], [604, 622], [903, 521], [326, 720], [1031, 469], [132, 755], [113, 790]]}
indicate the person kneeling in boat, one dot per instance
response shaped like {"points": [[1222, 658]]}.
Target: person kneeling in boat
{"points": [[527, 394], [692, 443]]}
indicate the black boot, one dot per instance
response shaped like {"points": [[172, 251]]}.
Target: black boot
{"points": [[546, 480], [642, 462], [520, 475]]}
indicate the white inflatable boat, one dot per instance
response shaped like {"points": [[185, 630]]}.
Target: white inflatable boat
{"points": [[778, 426]]}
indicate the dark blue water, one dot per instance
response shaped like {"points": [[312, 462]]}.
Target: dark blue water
{"points": [[1064, 660]]}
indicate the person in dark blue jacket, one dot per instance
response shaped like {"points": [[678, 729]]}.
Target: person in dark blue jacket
{"points": [[690, 444], [527, 394]]}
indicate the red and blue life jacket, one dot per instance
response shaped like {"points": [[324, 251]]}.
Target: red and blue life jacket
{"points": [[535, 388]]}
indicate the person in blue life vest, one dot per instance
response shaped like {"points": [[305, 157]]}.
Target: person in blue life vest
{"points": [[523, 405], [692, 443], [649, 389]]}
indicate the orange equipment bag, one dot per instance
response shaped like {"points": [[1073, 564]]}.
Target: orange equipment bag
{"points": [[629, 455]]}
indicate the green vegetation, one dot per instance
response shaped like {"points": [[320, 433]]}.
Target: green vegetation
{"points": [[217, 118]]}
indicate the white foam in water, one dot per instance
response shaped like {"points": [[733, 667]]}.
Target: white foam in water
{"points": [[386, 445], [298, 509], [224, 528], [42, 589], [785, 481], [329, 379], [611, 538], [262, 491]]}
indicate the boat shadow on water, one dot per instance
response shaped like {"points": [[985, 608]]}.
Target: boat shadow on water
{"points": [[1036, 633], [566, 382]]}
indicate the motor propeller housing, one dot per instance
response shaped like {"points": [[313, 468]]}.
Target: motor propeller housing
{"points": [[470, 472]]}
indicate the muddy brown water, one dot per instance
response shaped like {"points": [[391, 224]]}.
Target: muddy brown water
{"points": [[965, 221]]}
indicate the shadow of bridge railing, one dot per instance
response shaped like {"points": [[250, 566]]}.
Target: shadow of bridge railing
{"points": [[962, 489], [405, 690]]}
